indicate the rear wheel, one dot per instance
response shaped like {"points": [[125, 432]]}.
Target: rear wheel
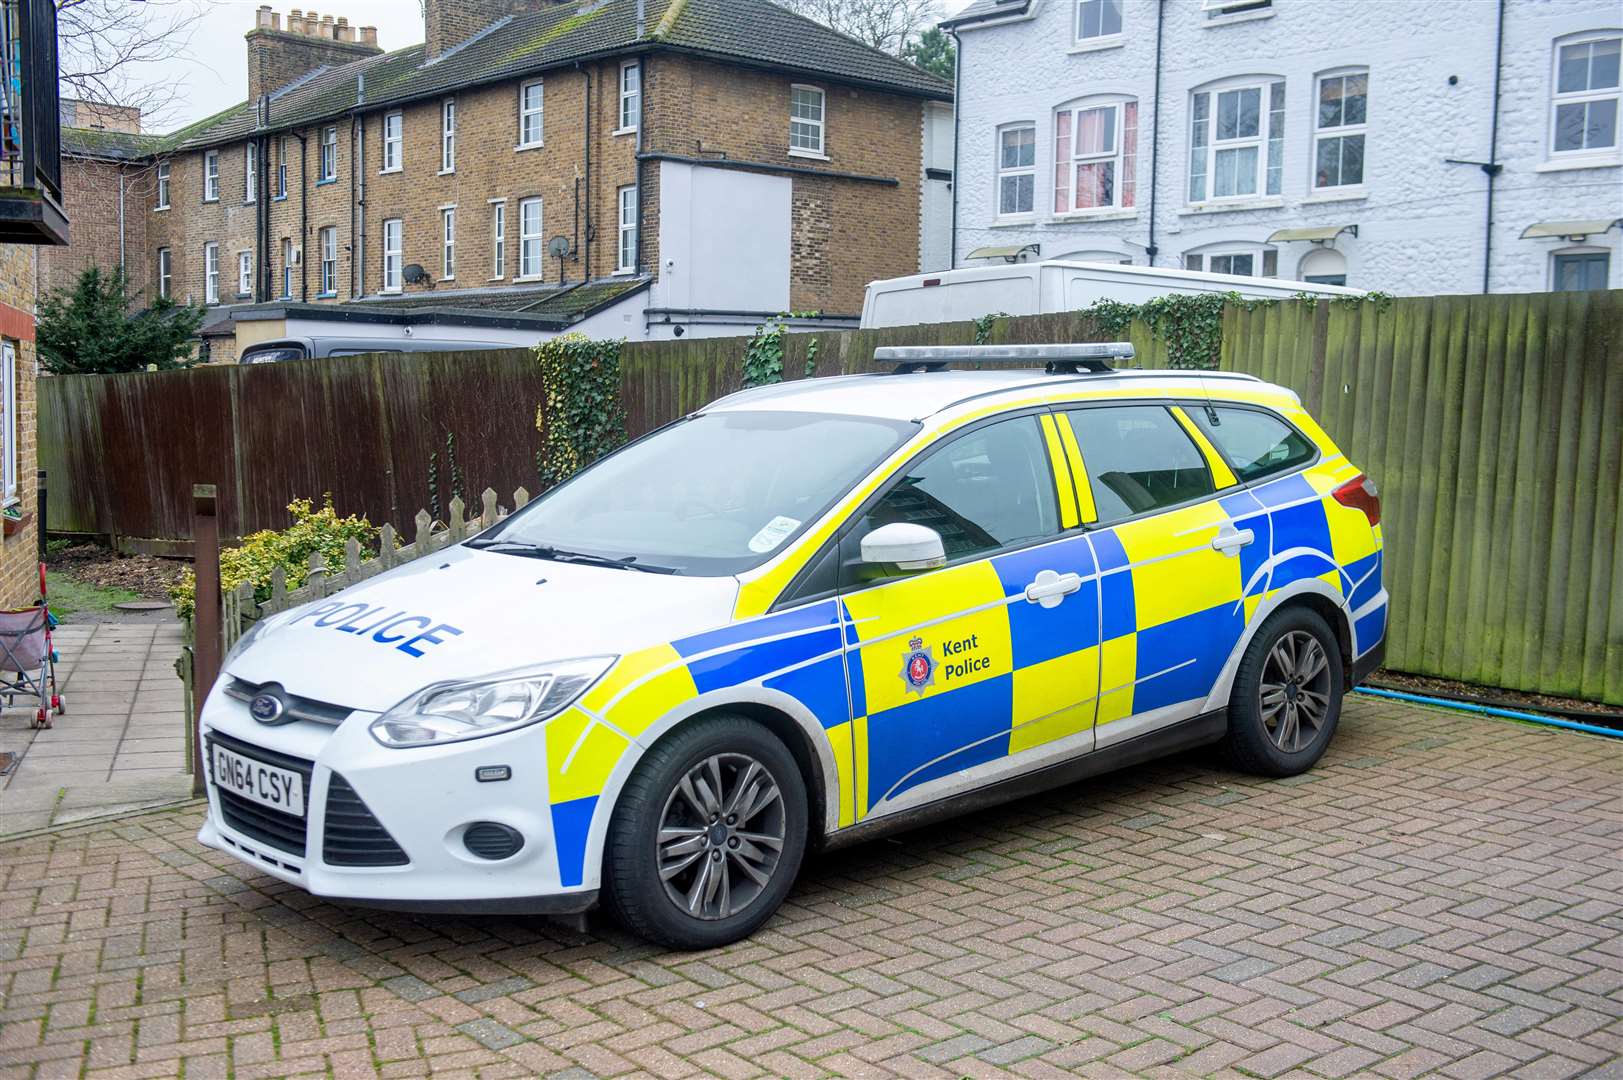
{"points": [[707, 836], [1287, 695]]}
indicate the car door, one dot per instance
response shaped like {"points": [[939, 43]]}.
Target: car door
{"points": [[951, 671], [1173, 538]]}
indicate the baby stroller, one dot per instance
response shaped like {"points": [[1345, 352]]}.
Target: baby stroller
{"points": [[26, 648]]}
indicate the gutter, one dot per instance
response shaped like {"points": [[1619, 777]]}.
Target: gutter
{"points": [[768, 167]]}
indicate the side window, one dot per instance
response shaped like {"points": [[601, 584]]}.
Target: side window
{"points": [[984, 491], [1255, 443], [1138, 458]]}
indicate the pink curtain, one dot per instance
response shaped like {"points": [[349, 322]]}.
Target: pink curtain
{"points": [[1129, 151], [1062, 162]]}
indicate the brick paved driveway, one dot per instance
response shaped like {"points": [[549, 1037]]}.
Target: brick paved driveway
{"points": [[1442, 894]]}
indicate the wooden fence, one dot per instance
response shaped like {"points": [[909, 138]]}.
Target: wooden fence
{"points": [[1493, 426]]}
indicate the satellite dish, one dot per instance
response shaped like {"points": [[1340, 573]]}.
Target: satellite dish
{"points": [[558, 247], [414, 274]]}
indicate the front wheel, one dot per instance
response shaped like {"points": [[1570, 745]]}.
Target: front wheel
{"points": [[707, 836], [1287, 695]]}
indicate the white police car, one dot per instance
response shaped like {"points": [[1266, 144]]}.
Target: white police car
{"points": [[804, 615]]}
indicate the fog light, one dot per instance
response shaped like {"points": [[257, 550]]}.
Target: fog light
{"points": [[492, 840]]}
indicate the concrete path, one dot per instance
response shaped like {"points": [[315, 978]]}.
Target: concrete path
{"points": [[122, 744]]}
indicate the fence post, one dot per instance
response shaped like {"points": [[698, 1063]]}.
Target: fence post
{"points": [[206, 617]]}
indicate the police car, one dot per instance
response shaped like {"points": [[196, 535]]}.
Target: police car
{"points": [[805, 615]]}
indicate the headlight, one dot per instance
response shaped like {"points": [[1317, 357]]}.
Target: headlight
{"points": [[452, 711]]}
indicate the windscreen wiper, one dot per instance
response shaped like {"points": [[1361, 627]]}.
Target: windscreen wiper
{"points": [[557, 554]]}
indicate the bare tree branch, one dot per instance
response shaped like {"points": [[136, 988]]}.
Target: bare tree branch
{"points": [[108, 48], [885, 24]]}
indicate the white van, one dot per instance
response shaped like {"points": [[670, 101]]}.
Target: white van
{"points": [[1038, 288]]}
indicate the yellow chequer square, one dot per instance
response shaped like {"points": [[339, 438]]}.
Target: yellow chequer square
{"points": [[1351, 538], [1183, 573], [584, 774], [964, 650], [1054, 699], [638, 692], [1118, 667], [839, 745]]}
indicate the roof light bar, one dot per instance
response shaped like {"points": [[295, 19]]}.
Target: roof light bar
{"points": [[1068, 359]]}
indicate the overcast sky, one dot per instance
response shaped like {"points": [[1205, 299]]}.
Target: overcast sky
{"points": [[211, 71]]}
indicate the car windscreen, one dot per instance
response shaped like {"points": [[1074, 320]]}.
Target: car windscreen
{"points": [[274, 355], [714, 494]]}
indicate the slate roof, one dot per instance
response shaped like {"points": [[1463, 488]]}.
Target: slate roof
{"points": [[108, 145], [754, 32], [566, 303]]}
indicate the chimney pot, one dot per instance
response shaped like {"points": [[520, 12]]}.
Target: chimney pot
{"points": [[369, 35]]}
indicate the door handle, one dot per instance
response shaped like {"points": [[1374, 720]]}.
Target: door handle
{"points": [[1230, 540], [1050, 588]]}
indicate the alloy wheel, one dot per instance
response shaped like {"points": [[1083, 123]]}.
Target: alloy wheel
{"points": [[720, 836], [1294, 695]]}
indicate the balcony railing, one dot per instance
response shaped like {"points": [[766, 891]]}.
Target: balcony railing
{"points": [[30, 126]]}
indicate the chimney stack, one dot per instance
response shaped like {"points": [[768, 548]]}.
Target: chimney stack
{"points": [[448, 23], [278, 57]]}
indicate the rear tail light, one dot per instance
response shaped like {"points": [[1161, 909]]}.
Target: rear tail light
{"points": [[1360, 494]]}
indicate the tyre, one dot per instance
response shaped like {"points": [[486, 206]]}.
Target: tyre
{"points": [[707, 836], [1287, 695]]}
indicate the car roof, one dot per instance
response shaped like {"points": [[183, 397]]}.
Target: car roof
{"points": [[917, 395]]}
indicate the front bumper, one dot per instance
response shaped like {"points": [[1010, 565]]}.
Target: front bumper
{"points": [[384, 827]]}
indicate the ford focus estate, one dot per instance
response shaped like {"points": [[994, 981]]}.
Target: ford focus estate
{"points": [[805, 615]]}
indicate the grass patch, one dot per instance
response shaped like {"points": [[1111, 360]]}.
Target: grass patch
{"points": [[69, 596]]}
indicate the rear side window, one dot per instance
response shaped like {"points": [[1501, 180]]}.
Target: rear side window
{"points": [[1257, 444], [275, 355], [1138, 459], [985, 491]]}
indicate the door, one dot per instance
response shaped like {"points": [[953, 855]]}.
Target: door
{"points": [[1172, 526], [953, 670]]}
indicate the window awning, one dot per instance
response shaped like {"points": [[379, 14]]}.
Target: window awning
{"points": [[1570, 229], [1010, 251], [1318, 233]]}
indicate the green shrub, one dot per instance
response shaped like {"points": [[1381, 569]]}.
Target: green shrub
{"points": [[258, 555], [582, 417]]}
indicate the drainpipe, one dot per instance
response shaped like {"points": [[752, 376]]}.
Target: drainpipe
{"points": [[1155, 130], [1493, 168], [642, 95], [121, 265], [586, 263], [304, 196], [957, 111]]}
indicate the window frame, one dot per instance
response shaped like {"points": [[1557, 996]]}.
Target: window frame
{"points": [[327, 244], [448, 243], [525, 238], [395, 142], [166, 273], [1014, 172], [1321, 133], [498, 239], [1585, 97], [1579, 253], [630, 95], [1167, 404], [1265, 141], [526, 113], [161, 172], [281, 168], [1260, 254], [397, 254], [1193, 407], [625, 230], [10, 486], [328, 156], [1100, 40], [211, 176], [819, 125], [211, 273], [287, 268], [1122, 186], [447, 136], [245, 273], [250, 172]]}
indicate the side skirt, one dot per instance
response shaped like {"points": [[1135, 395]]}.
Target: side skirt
{"points": [[1184, 735], [562, 904]]}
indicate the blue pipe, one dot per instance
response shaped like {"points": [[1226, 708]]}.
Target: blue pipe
{"points": [[1489, 710]]}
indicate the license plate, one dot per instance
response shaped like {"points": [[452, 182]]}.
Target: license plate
{"points": [[279, 789]]}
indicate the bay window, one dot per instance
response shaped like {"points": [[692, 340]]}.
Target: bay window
{"points": [[1339, 126], [1017, 169], [1095, 156], [1236, 140]]}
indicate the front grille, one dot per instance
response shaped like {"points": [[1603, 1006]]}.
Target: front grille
{"points": [[296, 707], [352, 836], [279, 830]]}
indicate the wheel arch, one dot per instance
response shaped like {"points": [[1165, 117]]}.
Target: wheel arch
{"points": [[1310, 593]]}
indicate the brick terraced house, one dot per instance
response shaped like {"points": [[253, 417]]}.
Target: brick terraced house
{"points": [[637, 168]]}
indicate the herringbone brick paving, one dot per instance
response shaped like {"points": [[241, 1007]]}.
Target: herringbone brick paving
{"points": [[1441, 896]]}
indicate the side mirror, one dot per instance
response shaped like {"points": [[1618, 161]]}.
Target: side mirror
{"points": [[905, 546]]}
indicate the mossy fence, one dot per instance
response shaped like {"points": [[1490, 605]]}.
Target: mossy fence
{"points": [[1493, 425]]}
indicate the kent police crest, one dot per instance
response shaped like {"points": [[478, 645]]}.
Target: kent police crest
{"points": [[918, 670]]}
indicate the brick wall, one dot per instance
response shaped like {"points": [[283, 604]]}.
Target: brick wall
{"points": [[19, 554], [91, 191]]}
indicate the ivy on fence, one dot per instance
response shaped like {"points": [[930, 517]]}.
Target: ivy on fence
{"points": [[763, 353], [582, 417]]}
